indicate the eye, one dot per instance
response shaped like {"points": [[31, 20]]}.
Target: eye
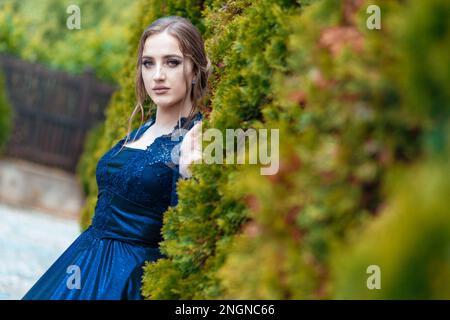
{"points": [[145, 63], [173, 63]]}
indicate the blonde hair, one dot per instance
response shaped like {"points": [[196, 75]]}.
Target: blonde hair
{"points": [[192, 46]]}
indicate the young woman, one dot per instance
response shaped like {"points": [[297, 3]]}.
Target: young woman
{"points": [[137, 180]]}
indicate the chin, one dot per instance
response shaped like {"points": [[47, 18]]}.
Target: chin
{"points": [[166, 103], [163, 101]]}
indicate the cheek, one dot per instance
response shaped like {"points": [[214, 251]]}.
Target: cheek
{"points": [[179, 84], [146, 78]]}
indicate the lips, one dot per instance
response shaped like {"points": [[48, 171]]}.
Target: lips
{"points": [[160, 89]]}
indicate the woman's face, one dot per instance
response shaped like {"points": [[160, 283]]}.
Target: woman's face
{"points": [[163, 64]]}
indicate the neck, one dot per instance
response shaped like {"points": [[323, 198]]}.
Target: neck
{"points": [[168, 117]]}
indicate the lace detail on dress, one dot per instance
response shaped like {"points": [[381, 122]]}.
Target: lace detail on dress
{"points": [[148, 175]]}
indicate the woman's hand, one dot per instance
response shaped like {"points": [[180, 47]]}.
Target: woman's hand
{"points": [[190, 150]]}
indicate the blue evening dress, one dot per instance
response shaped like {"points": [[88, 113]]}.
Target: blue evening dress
{"points": [[136, 187]]}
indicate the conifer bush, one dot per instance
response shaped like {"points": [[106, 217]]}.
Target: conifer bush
{"points": [[357, 124], [410, 240]]}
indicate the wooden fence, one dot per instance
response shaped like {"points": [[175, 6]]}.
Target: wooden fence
{"points": [[53, 111]]}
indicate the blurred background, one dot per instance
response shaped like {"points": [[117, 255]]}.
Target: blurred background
{"points": [[359, 89]]}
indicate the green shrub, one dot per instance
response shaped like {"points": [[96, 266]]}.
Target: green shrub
{"points": [[355, 125], [410, 240]]}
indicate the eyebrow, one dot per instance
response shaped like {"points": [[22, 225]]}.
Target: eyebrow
{"points": [[165, 56]]}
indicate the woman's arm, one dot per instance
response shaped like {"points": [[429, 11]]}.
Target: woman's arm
{"points": [[190, 150]]}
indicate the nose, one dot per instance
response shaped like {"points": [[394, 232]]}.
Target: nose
{"points": [[159, 73]]}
